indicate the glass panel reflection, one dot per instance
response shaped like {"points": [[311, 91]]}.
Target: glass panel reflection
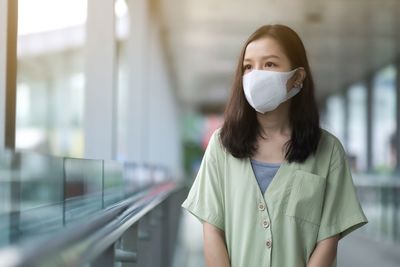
{"points": [[8, 174], [83, 187], [41, 194], [113, 183]]}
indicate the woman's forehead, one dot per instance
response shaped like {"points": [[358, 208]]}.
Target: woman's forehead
{"points": [[263, 47]]}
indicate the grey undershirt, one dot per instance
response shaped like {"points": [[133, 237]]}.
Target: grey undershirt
{"points": [[264, 173]]}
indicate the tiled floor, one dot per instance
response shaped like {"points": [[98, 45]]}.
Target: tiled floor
{"points": [[358, 250], [354, 250], [189, 252]]}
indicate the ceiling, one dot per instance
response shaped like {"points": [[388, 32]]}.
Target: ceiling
{"points": [[345, 40]]}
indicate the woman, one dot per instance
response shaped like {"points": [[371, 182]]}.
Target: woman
{"points": [[273, 189]]}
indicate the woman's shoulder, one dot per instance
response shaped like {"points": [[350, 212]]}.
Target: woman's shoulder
{"points": [[329, 151], [330, 137], [330, 143], [214, 144]]}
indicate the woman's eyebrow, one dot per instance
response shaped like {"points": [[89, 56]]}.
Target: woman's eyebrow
{"points": [[263, 57], [270, 56]]}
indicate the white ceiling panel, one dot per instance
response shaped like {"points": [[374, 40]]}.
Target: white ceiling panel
{"points": [[344, 39]]}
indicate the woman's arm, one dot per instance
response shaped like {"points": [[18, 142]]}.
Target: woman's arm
{"points": [[215, 251], [324, 253]]}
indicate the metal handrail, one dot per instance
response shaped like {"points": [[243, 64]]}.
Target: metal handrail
{"points": [[79, 243], [380, 198]]}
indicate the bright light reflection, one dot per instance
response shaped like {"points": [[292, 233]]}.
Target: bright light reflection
{"points": [[121, 8], [47, 15]]}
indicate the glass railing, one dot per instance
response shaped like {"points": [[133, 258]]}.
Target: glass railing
{"points": [[41, 195], [380, 199]]}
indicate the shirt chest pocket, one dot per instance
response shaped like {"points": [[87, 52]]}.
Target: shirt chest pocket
{"points": [[306, 197]]}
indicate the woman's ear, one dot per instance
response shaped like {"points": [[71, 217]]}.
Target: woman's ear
{"points": [[297, 79], [300, 75]]}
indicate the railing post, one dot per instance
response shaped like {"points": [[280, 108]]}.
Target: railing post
{"points": [[171, 219], [145, 252], [396, 221], [106, 259], [156, 240], [165, 234], [127, 252]]}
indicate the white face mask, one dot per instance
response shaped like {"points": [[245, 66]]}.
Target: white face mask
{"points": [[266, 90]]}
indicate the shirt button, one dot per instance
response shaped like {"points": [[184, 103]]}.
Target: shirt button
{"points": [[261, 206], [268, 243], [265, 223]]}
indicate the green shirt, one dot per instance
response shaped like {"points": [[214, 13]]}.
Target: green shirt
{"points": [[305, 203]]}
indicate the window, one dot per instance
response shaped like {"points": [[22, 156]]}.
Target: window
{"points": [[384, 120], [335, 116], [50, 76], [357, 145]]}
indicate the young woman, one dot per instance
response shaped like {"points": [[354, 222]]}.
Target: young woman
{"points": [[273, 189]]}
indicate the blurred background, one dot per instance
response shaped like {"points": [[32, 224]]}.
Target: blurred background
{"points": [[146, 82]]}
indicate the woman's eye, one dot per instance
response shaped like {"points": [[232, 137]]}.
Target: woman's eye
{"points": [[246, 67], [270, 64]]}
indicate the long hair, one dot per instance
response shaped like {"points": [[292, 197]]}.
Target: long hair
{"points": [[240, 128]]}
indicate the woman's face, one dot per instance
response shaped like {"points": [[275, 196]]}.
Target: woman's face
{"points": [[266, 54]]}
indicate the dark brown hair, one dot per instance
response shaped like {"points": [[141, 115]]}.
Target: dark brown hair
{"points": [[241, 128]]}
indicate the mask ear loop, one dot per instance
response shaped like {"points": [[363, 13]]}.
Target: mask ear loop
{"points": [[294, 89], [292, 92]]}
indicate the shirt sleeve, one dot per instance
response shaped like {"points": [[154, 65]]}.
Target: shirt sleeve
{"points": [[205, 198], [342, 212]]}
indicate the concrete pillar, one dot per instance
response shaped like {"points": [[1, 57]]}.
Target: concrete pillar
{"points": [[100, 89], [164, 145], [397, 84], [8, 71], [368, 86], [346, 120], [139, 75], [153, 128]]}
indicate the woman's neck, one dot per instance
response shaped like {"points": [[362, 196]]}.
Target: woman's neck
{"points": [[275, 122]]}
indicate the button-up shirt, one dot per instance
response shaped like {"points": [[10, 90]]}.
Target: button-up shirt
{"points": [[304, 204]]}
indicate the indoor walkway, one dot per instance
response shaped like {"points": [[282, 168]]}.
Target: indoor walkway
{"points": [[354, 250], [357, 250]]}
